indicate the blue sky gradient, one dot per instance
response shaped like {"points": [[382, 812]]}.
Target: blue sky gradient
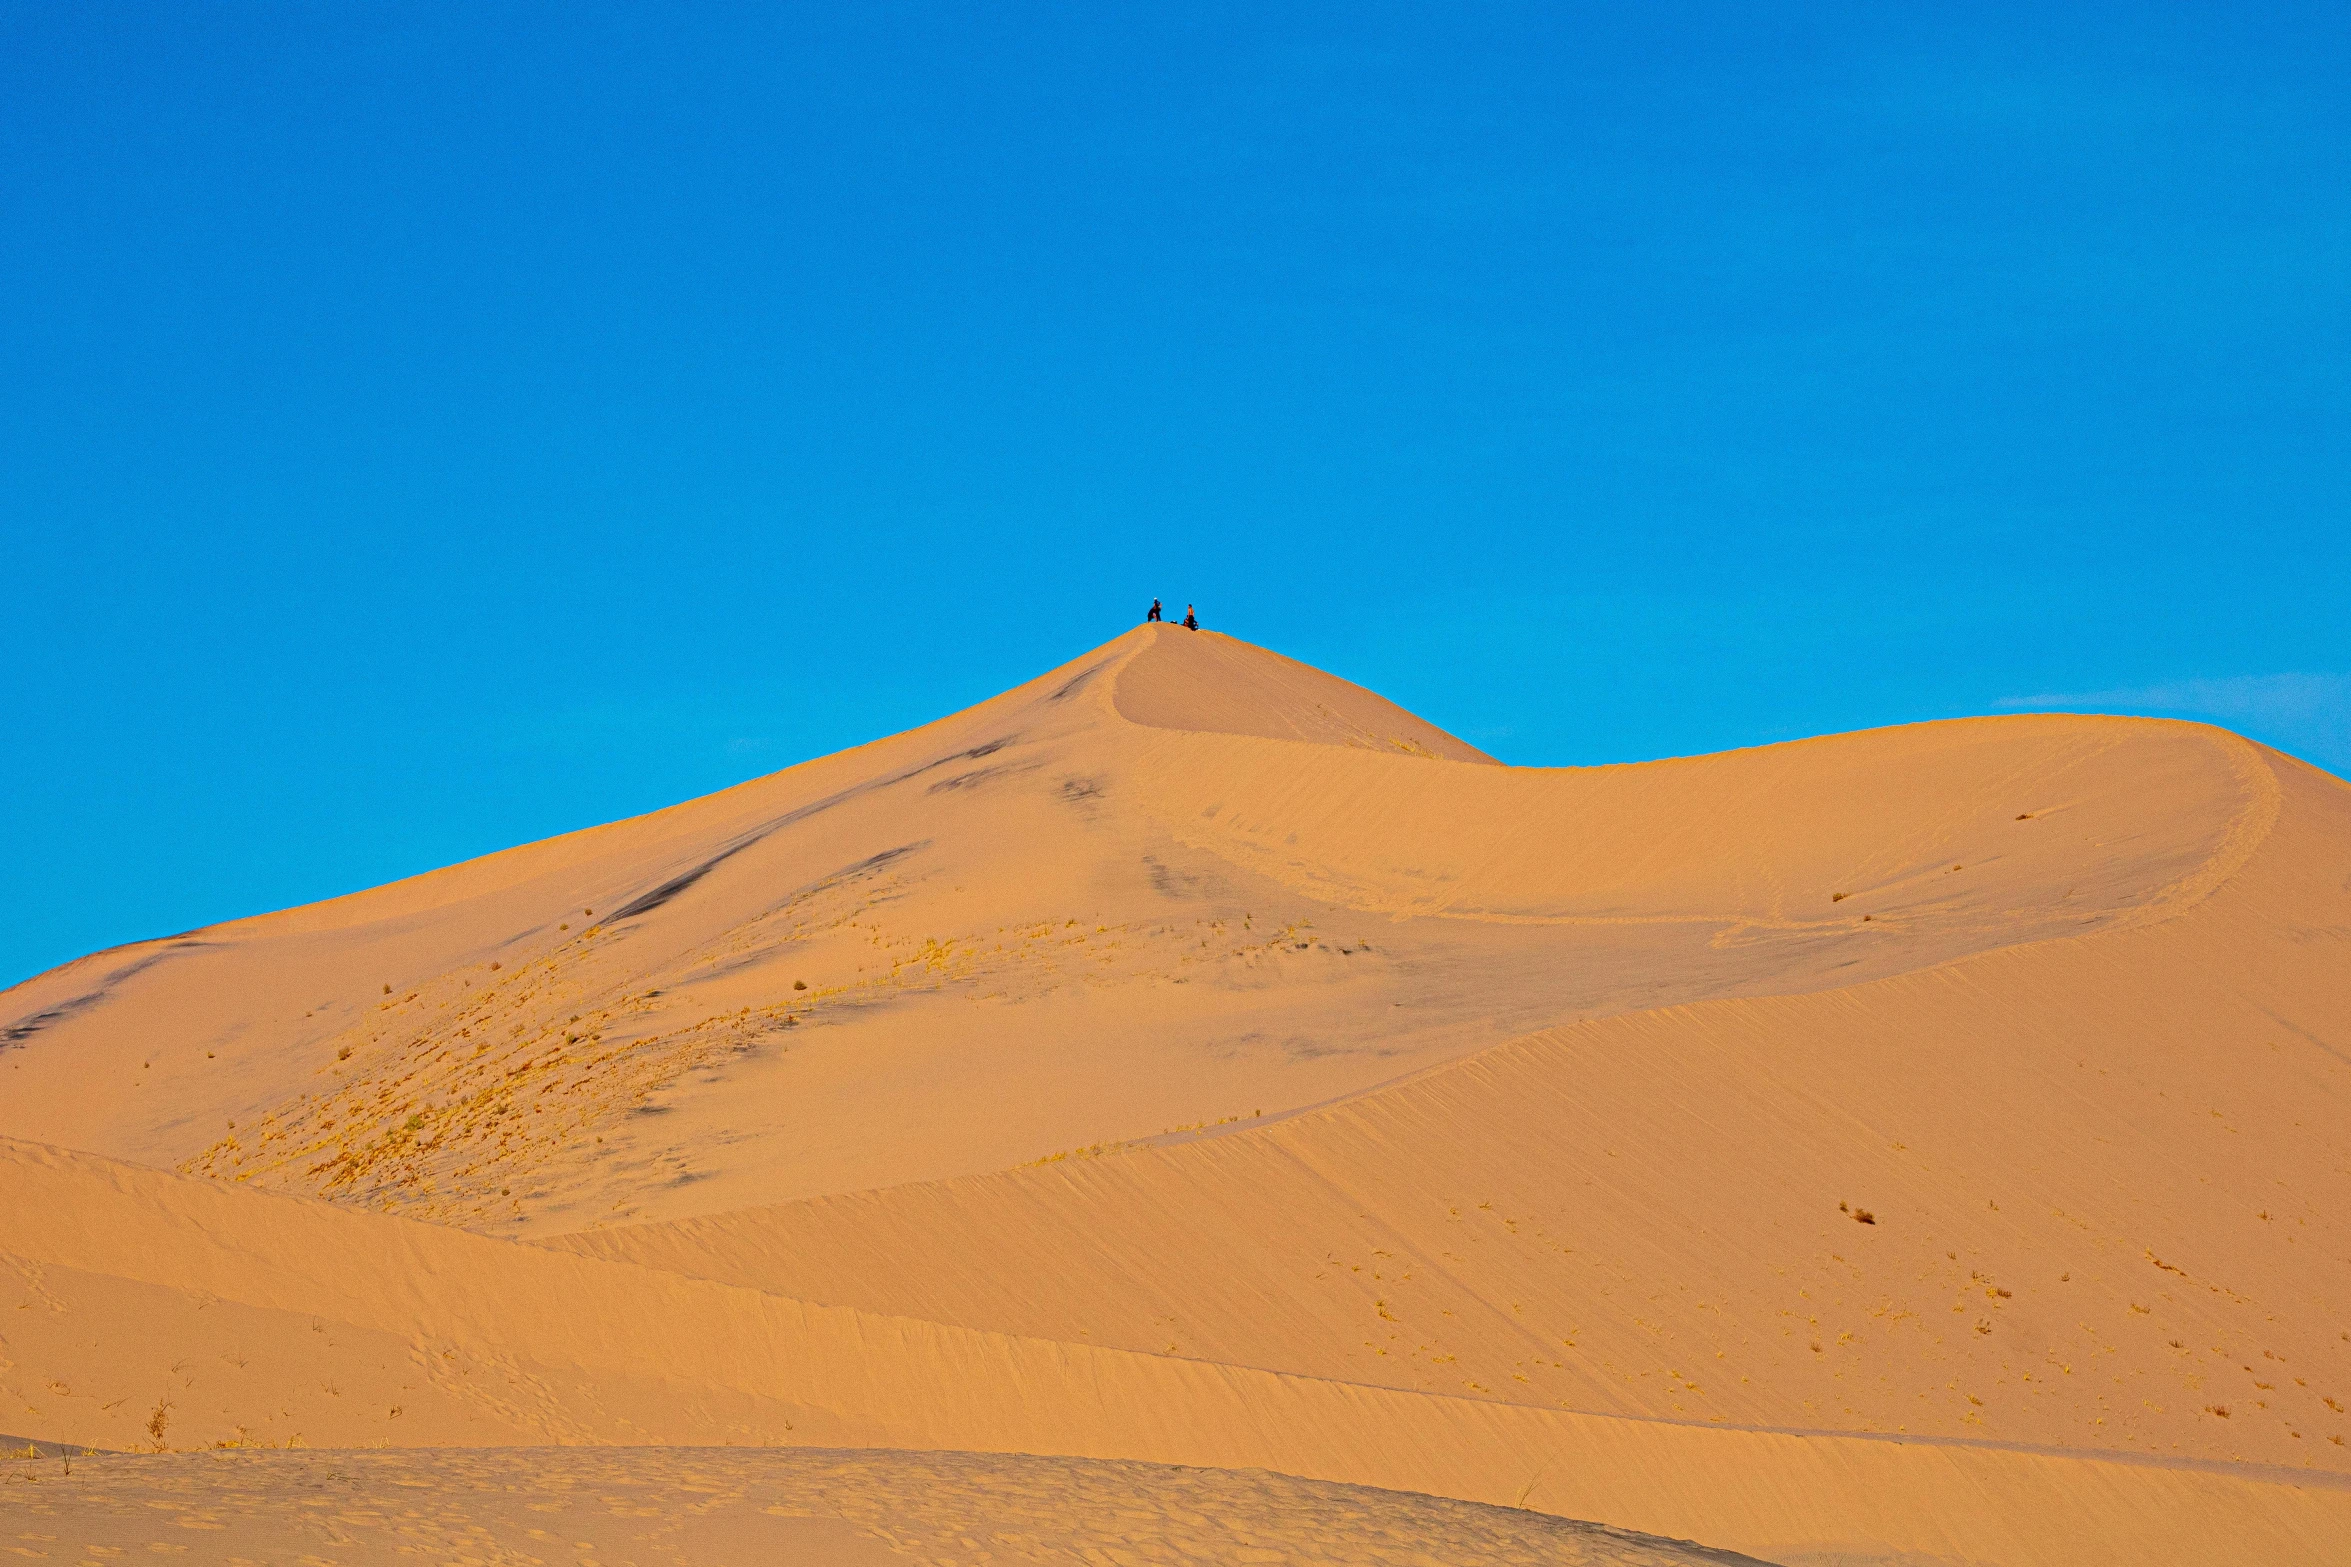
{"points": [[426, 430]]}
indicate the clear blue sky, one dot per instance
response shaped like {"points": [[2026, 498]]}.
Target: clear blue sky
{"points": [[428, 428]]}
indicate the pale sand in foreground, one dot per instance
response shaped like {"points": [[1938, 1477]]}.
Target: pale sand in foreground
{"points": [[709, 1507]]}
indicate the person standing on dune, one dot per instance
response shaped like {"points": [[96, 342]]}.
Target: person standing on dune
{"points": [[1191, 621], [1154, 615]]}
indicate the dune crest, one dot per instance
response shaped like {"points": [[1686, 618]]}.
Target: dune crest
{"points": [[1207, 683]]}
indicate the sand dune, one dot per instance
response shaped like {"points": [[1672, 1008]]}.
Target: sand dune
{"points": [[1040, 926], [2091, 1222], [977, 919], [1921, 1141]]}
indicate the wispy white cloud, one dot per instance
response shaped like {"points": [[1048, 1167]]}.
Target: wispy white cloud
{"points": [[2307, 714]]}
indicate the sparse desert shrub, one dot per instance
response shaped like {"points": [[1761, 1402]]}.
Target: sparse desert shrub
{"points": [[799, 984], [1864, 1216], [343, 1054], [2221, 1410]]}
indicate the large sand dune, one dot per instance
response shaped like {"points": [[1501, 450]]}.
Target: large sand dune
{"points": [[1923, 1141]]}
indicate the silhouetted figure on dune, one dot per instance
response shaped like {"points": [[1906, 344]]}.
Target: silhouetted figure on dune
{"points": [[1191, 621], [1154, 615]]}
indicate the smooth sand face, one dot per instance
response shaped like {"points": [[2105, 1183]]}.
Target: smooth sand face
{"points": [[1201, 1060]]}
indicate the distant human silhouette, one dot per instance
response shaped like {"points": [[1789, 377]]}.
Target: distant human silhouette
{"points": [[1154, 615], [1191, 621]]}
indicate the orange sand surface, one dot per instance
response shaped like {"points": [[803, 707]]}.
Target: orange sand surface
{"points": [[1921, 1145]]}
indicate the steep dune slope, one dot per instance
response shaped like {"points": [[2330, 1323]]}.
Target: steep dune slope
{"points": [[2105, 1181], [808, 983]]}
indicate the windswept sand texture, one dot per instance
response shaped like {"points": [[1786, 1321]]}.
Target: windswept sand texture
{"points": [[691, 1506], [1918, 1145]]}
